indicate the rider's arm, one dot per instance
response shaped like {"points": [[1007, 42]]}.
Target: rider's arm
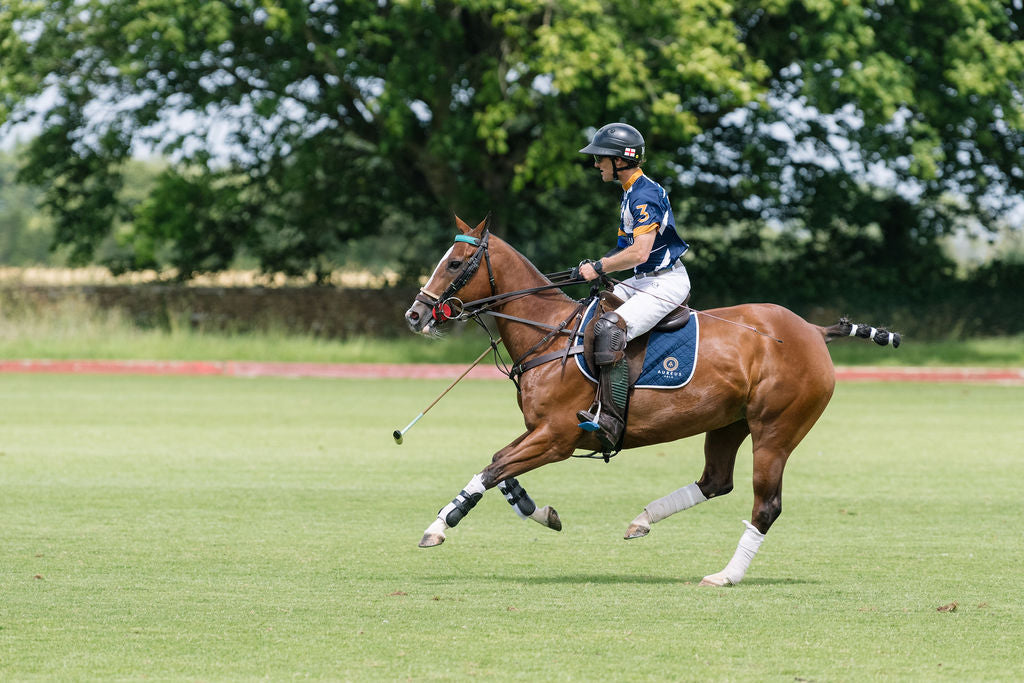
{"points": [[630, 257]]}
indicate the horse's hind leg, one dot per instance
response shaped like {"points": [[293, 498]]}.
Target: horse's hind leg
{"points": [[768, 466], [774, 440], [720, 446]]}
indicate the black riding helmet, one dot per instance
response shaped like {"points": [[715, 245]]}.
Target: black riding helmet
{"points": [[619, 140]]}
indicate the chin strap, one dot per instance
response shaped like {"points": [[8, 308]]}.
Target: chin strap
{"points": [[616, 169]]}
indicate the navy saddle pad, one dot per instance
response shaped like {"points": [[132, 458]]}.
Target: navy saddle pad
{"points": [[670, 360]]}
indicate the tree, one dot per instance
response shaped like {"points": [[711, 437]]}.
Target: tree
{"points": [[376, 120], [900, 120], [25, 235]]}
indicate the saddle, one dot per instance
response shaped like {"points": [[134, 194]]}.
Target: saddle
{"points": [[636, 349]]}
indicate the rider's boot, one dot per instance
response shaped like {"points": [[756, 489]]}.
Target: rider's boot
{"points": [[607, 417]]}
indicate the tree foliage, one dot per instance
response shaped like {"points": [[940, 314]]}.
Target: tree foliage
{"points": [[25, 234], [859, 131]]}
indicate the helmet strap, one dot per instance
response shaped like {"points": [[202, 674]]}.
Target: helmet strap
{"points": [[616, 168]]}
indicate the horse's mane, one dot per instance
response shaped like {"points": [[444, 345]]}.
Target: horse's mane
{"points": [[532, 268]]}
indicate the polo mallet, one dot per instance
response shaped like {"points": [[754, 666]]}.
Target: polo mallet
{"points": [[398, 434]]}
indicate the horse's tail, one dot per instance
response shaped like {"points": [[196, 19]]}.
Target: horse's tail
{"points": [[844, 328]]}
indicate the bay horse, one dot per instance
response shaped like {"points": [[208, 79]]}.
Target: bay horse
{"points": [[763, 372]]}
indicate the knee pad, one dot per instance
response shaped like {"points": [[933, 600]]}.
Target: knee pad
{"points": [[609, 339]]}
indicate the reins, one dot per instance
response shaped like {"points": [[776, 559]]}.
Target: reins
{"points": [[477, 307], [521, 365], [703, 313], [510, 296], [447, 307]]}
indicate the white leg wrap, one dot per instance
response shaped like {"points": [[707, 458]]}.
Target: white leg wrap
{"points": [[749, 544], [677, 501]]}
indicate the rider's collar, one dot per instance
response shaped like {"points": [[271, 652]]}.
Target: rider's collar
{"points": [[637, 172]]}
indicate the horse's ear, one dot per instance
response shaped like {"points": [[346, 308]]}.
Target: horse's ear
{"points": [[485, 224], [462, 226]]}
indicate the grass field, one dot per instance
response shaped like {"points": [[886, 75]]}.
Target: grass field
{"points": [[178, 528]]}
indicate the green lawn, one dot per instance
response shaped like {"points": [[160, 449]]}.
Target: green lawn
{"points": [[178, 528]]}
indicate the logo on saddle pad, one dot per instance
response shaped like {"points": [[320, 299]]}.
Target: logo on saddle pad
{"points": [[670, 360]]}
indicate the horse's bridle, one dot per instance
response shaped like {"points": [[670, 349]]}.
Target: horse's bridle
{"points": [[447, 306]]}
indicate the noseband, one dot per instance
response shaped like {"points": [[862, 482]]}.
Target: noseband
{"points": [[448, 306]]}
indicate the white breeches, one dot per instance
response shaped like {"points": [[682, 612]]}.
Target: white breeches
{"points": [[650, 299]]}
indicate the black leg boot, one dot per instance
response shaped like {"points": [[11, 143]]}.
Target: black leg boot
{"points": [[607, 416]]}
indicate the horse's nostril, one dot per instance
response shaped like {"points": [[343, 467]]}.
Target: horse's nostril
{"points": [[413, 316]]}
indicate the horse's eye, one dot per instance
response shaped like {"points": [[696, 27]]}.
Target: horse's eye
{"points": [[452, 265]]}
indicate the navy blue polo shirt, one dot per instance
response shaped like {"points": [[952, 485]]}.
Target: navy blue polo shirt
{"points": [[645, 208]]}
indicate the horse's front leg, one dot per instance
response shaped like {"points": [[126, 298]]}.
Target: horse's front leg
{"points": [[452, 513], [520, 500], [528, 452], [524, 506]]}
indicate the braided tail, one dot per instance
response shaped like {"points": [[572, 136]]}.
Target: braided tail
{"points": [[844, 328]]}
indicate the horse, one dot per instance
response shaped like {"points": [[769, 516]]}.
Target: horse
{"points": [[763, 372]]}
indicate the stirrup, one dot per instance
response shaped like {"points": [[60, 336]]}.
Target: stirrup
{"points": [[608, 437], [592, 424]]}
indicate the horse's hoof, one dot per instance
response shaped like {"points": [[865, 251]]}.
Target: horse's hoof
{"points": [[637, 531], [553, 521], [639, 527], [547, 516], [429, 540], [717, 580]]}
